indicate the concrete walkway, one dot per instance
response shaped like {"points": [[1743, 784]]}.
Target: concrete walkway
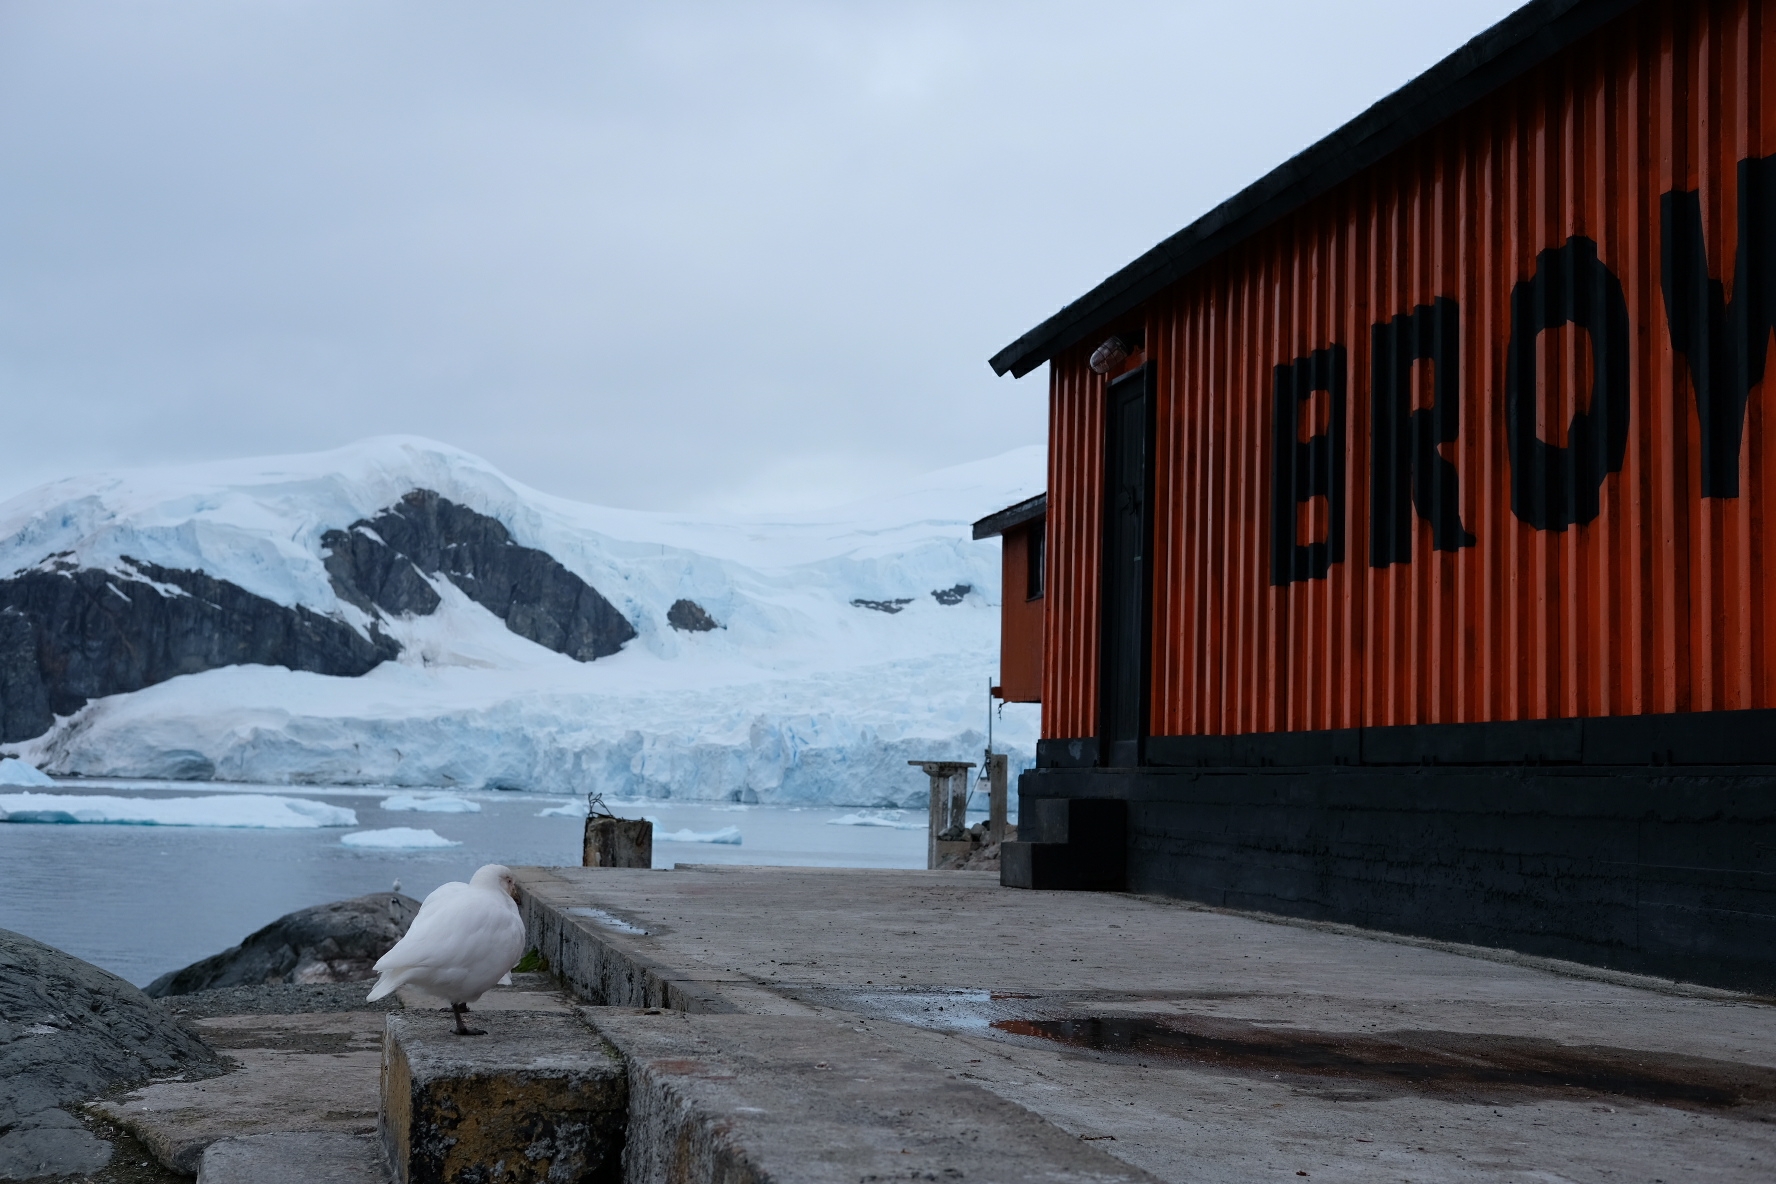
{"points": [[1196, 1044]]}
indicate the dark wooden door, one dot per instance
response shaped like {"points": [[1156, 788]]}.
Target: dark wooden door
{"points": [[1122, 684]]}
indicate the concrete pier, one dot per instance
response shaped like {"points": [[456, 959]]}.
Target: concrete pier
{"points": [[1172, 1041]]}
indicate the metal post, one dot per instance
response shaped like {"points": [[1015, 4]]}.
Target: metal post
{"points": [[998, 774]]}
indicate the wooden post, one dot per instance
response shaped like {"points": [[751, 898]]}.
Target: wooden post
{"points": [[948, 778], [998, 774], [618, 842]]}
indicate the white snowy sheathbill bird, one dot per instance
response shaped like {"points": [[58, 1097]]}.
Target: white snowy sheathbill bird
{"points": [[465, 939]]}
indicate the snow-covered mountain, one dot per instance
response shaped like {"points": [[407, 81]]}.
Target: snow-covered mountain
{"points": [[398, 612]]}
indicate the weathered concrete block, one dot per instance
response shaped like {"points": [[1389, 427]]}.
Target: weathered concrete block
{"points": [[801, 1099], [618, 842], [294, 1159], [539, 1098]]}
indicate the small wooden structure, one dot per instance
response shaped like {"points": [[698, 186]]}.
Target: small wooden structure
{"points": [[615, 842], [949, 809]]}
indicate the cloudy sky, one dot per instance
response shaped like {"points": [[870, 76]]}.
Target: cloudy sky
{"points": [[663, 255]]}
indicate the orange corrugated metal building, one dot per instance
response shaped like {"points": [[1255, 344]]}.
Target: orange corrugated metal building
{"points": [[1452, 424], [1023, 531]]}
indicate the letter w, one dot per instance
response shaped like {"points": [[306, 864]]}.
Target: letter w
{"points": [[1723, 343]]}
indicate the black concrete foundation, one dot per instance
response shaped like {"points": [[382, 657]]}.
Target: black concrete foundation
{"points": [[1661, 870]]}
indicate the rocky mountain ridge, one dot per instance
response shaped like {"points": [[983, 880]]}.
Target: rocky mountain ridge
{"points": [[70, 634]]}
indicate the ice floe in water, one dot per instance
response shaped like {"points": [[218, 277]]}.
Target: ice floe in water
{"points": [[727, 834], [16, 772], [889, 818], [569, 810], [429, 804], [248, 810], [398, 838]]}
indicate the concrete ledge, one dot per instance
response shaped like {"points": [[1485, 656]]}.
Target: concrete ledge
{"points": [[747, 1099], [597, 954], [294, 1159], [539, 1098]]}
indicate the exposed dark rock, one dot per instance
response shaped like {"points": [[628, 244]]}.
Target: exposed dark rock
{"points": [[69, 634], [884, 606], [381, 562], [70, 1031], [50, 1143], [329, 943], [689, 616], [953, 595]]}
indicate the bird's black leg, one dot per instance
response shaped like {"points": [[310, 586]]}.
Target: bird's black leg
{"points": [[462, 1029]]}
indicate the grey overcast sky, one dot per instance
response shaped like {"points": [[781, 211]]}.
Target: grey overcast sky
{"points": [[661, 255]]}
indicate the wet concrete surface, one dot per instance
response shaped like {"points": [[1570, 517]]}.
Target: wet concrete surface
{"points": [[1204, 1045]]}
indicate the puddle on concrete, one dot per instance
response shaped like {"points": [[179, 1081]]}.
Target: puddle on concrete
{"points": [[608, 920], [1480, 1067]]}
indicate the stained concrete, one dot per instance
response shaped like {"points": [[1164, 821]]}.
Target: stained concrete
{"points": [[1194, 1043]]}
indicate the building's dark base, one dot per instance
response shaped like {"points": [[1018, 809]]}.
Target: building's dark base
{"points": [[1661, 871]]}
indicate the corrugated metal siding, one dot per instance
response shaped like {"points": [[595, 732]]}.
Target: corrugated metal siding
{"points": [[1021, 617], [1661, 603]]}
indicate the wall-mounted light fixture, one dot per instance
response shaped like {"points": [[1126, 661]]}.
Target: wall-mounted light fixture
{"points": [[1108, 356]]}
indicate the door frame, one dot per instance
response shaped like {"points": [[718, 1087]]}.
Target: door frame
{"points": [[1142, 379]]}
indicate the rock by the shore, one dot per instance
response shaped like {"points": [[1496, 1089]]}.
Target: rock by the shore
{"points": [[68, 1032], [329, 943]]}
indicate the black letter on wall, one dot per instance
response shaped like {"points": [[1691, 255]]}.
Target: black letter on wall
{"points": [[1724, 343], [1405, 468], [1302, 469], [1551, 487]]}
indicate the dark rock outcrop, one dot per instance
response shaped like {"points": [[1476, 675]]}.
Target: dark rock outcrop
{"points": [[690, 617], [329, 943], [883, 606], [70, 634], [952, 595], [381, 562], [68, 1032]]}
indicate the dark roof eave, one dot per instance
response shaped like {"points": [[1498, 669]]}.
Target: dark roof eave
{"points": [[1000, 521], [1515, 45]]}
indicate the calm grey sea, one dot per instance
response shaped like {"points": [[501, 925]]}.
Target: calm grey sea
{"points": [[142, 900]]}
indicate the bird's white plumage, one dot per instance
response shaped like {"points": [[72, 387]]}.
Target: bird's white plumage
{"points": [[464, 940]]}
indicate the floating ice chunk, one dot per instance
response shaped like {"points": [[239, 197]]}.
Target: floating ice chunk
{"points": [[397, 838], [888, 818], [573, 809], [431, 804], [234, 809], [727, 834], [16, 772]]}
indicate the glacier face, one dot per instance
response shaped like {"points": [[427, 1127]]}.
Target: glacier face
{"points": [[798, 694]]}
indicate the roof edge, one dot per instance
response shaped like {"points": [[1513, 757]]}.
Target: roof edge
{"points": [[1500, 54], [1000, 521]]}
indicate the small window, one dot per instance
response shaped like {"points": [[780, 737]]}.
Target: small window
{"points": [[1036, 556]]}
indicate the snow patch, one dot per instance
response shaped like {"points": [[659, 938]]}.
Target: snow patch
{"points": [[397, 838], [235, 810]]}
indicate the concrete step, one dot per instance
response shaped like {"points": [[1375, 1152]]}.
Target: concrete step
{"points": [[538, 1098], [664, 1095], [321, 1158]]}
